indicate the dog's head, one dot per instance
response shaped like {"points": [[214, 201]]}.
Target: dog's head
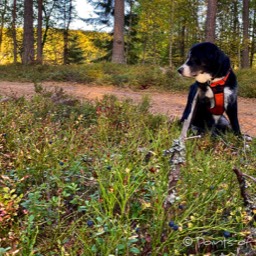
{"points": [[205, 62]]}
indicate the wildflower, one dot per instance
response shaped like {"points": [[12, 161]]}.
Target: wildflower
{"points": [[190, 225]]}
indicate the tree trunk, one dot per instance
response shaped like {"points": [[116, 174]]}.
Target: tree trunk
{"points": [[253, 36], [211, 21], [128, 38], [28, 36], [3, 13], [182, 43], [245, 50], [39, 56], [118, 41], [14, 34], [47, 17], [172, 9], [65, 49]]}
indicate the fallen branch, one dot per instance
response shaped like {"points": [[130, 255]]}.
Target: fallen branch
{"points": [[242, 185], [250, 208], [249, 202], [177, 158]]}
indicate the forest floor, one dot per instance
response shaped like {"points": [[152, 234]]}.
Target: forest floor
{"points": [[167, 103]]}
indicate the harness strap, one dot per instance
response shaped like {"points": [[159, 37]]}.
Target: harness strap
{"points": [[218, 92]]}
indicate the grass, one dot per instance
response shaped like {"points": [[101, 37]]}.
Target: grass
{"points": [[91, 179]]}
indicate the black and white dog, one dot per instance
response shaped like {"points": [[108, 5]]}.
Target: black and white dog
{"points": [[216, 85]]}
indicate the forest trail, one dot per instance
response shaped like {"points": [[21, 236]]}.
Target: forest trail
{"points": [[167, 103]]}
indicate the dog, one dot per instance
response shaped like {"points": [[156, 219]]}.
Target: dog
{"points": [[216, 86]]}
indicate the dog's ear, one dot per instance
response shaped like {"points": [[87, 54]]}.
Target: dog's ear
{"points": [[223, 63]]}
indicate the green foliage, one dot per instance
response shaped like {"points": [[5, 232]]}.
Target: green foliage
{"points": [[151, 26], [91, 179], [84, 46], [247, 83], [133, 76], [75, 53]]}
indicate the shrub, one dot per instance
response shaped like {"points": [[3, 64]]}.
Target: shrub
{"points": [[91, 179], [247, 83]]}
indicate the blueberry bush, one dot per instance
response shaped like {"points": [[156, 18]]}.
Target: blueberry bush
{"points": [[91, 179]]}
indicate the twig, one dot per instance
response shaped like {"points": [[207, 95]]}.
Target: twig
{"points": [[177, 157], [248, 176], [193, 137]]}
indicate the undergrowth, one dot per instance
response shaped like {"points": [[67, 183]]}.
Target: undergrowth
{"points": [[91, 179], [134, 76]]}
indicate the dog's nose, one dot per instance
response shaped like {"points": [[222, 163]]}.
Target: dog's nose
{"points": [[180, 70]]}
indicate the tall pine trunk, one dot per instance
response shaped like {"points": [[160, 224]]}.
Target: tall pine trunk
{"points": [[28, 34], [129, 32], [172, 9], [253, 36], [118, 41], [211, 21], [39, 55], [14, 34], [3, 14], [245, 48]]}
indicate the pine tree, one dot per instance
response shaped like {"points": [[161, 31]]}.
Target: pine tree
{"points": [[118, 42], [211, 20], [75, 53], [28, 36]]}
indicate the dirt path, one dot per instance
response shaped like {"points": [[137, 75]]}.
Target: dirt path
{"points": [[170, 104]]}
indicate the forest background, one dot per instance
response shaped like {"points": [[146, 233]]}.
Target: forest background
{"points": [[158, 32], [90, 177]]}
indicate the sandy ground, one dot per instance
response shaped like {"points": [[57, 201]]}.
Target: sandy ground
{"points": [[170, 104]]}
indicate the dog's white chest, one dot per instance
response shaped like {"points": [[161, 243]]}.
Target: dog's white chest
{"points": [[209, 93]]}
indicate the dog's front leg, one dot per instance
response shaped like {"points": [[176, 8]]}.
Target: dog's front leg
{"points": [[215, 128], [232, 115], [191, 96]]}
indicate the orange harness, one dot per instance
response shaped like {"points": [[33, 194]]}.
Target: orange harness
{"points": [[218, 92]]}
